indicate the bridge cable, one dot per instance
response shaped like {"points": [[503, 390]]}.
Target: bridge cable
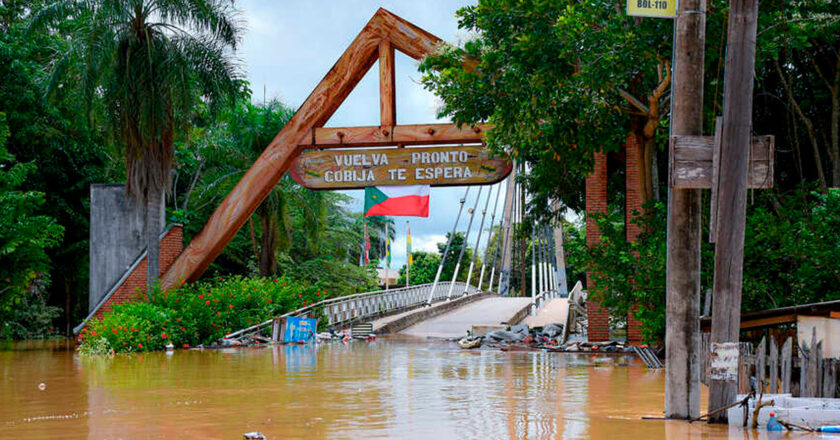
{"points": [[507, 259], [446, 251], [507, 220], [540, 260], [478, 238], [513, 243], [499, 241], [552, 261], [549, 267], [464, 244], [533, 271], [547, 261], [560, 263], [489, 237]]}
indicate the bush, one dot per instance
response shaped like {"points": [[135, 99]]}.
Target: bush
{"points": [[32, 318], [199, 313]]}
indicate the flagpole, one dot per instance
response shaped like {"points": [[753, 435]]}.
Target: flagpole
{"points": [[408, 254], [367, 244], [387, 255]]}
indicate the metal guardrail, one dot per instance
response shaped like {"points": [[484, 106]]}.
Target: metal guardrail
{"points": [[346, 309]]}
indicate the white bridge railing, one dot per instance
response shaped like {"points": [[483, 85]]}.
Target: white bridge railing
{"points": [[346, 309]]}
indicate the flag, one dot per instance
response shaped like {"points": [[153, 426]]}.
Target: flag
{"points": [[406, 200], [408, 243], [388, 249]]}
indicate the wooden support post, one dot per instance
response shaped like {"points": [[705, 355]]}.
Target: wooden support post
{"points": [[732, 194], [760, 359], [387, 98], [682, 338], [745, 362], [277, 329], [774, 366], [787, 364]]}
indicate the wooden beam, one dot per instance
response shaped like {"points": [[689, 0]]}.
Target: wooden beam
{"points": [[768, 321], [419, 134], [733, 183], [692, 162], [387, 99], [273, 163]]}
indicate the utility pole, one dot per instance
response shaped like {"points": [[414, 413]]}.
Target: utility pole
{"points": [[682, 336], [732, 189]]}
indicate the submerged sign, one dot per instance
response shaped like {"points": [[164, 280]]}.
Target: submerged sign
{"points": [[299, 329], [652, 8], [435, 166]]}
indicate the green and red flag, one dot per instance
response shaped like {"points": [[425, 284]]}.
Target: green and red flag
{"points": [[396, 201]]}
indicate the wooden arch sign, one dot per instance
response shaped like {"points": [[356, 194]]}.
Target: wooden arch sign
{"points": [[435, 166], [381, 36]]}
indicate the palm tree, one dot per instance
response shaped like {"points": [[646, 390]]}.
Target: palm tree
{"points": [[147, 64], [251, 128]]}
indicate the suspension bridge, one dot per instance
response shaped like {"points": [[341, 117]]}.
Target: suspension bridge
{"points": [[522, 268], [500, 295]]}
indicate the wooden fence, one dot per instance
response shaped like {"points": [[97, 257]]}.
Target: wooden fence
{"points": [[778, 369]]}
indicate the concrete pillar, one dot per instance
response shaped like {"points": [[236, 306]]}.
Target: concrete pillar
{"points": [[596, 202], [116, 238]]}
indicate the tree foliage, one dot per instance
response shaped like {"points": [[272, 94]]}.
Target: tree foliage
{"points": [[24, 232], [789, 256], [144, 65]]}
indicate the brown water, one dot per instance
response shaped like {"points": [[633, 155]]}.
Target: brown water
{"points": [[392, 388]]}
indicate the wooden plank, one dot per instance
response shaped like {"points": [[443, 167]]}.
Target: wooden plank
{"points": [[773, 320], [787, 364], [437, 166], [828, 378], [809, 384], [273, 163], [387, 97], [774, 366], [411, 134], [693, 162], [744, 366], [760, 360]]}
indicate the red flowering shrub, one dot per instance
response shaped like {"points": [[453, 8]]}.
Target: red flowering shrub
{"points": [[198, 313]]}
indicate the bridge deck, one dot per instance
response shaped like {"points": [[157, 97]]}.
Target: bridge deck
{"points": [[490, 311], [554, 311]]}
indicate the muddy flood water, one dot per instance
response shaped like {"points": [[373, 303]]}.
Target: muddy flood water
{"points": [[391, 388]]}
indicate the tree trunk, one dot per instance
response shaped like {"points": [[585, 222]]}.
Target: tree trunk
{"points": [[152, 233], [809, 126], [268, 241]]}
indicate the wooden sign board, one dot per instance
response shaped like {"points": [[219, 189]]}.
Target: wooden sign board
{"points": [[435, 166], [652, 8], [691, 160]]}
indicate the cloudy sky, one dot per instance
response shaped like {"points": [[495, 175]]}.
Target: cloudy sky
{"points": [[290, 45]]}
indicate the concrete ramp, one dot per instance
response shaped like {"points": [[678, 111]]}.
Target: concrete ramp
{"points": [[555, 311], [488, 311]]}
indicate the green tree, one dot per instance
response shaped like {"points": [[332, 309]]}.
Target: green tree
{"points": [[150, 62], [423, 270], [24, 234], [251, 128], [68, 154], [451, 259], [560, 81]]}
